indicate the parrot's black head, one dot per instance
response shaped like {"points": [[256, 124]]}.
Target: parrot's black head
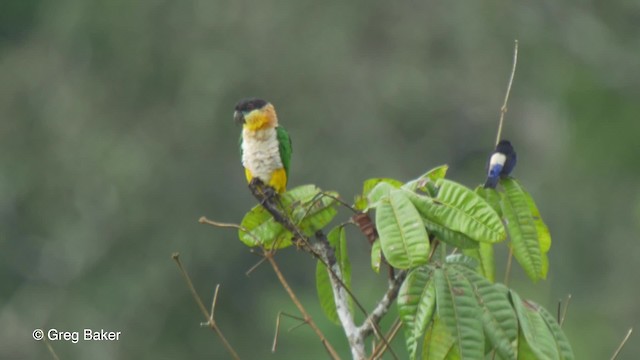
{"points": [[245, 106]]}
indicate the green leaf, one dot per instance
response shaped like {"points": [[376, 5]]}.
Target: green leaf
{"points": [[544, 236], [539, 340], [484, 256], [300, 194], [460, 312], [416, 304], [491, 196], [403, 238], [310, 209], [522, 230], [484, 253], [263, 230], [438, 342], [454, 238], [498, 317], [325, 293], [372, 193], [337, 240], [376, 256], [525, 352], [461, 210], [429, 177], [461, 259], [562, 343]]}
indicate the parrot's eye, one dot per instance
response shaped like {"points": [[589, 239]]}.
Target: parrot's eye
{"points": [[249, 106]]}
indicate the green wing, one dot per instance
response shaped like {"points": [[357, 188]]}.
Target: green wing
{"points": [[240, 146], [285, 148]]}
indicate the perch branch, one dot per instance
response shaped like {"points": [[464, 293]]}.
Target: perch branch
{"points": [[210, 320], [303, 240], [503, 109], [503, 112]]}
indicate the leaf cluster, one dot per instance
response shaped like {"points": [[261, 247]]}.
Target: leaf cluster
{"points": [[448, 303]]}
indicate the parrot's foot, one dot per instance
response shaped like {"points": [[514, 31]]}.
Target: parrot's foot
{"points": [[265, 192], [269, 193]]}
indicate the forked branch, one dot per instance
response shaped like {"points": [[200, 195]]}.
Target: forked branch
{"points": [[209, 316]]}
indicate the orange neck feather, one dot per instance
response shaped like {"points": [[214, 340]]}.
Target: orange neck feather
{"points": [[261, 119]]}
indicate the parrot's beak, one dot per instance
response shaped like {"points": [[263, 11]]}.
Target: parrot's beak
{"points": [[238, 117]]}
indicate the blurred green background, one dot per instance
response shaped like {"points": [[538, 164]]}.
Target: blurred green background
{"points": [[116, 135]]}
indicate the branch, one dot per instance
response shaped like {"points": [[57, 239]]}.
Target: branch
{"points": [[383, 305], [268, 256], [50, 348], [503, 109], [269, 203], [307, 318], [564, 312], [624, 341], [324, 253], [275, 337], [354, 336], [379, 350], [210, 320]]}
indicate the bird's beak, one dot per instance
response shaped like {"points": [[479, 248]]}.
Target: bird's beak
{"points": [[238, 117]]}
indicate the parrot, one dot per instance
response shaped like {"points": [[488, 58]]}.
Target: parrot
{"points": [[265, 147], [501, 163]]}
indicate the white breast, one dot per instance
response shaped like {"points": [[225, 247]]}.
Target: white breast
{"points": [[260, 153], [497, 159]]}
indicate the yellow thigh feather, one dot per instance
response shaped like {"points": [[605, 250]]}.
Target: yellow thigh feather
{"points": [[278, 179]]}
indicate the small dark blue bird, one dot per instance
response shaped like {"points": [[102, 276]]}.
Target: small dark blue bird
{"points": [[501, 163]]}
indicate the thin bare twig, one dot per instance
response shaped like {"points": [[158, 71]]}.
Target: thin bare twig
{"points": [[213, 303], [251, 269], [275, 337], [507, 272], [624, 341], [204, 220], [307, 318], [382, 347], [342, 202], [503, 109], [50, 348], [564, 312], [210, 320]]}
